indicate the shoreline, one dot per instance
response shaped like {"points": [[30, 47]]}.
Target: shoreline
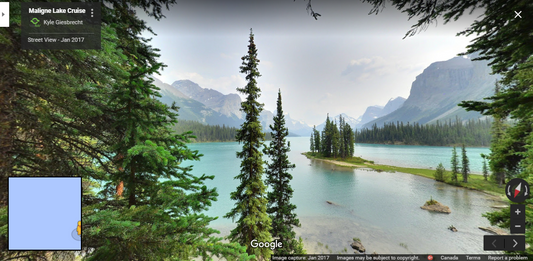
{"points": [[476, 182], [448, 146]]}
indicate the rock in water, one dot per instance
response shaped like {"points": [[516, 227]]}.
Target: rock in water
{"points": [[357, 246], [452, 228], [331, 203], [494, 230], [436, 207]]}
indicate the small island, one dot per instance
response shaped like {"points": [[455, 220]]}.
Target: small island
{"points": [[357, 246], [435, 206]]}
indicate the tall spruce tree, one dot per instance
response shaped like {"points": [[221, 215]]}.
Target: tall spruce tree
{"points": [[465, 164], [485, 169], [73, 117], [317, 139], [327, 141], [335, 140], [279, 208], [250, 209], [455, 165], [342, 140], [312, 142], [351, 140]]}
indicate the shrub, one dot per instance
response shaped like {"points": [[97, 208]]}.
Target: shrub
{"points": [[440, 173]]}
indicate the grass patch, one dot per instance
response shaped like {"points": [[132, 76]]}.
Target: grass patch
{"points": [[476, 182], [431, 202]]}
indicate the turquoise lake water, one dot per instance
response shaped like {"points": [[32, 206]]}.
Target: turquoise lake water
{"points": [[382, 209]]}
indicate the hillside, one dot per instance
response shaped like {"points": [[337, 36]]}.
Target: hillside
{"points": [[439, 88], [191, 109], [209, 106], [374, 112]]}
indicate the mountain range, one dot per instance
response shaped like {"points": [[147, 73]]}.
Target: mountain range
{"points": [[209, 106], [440, 87], [434, 96], [376, 111]]}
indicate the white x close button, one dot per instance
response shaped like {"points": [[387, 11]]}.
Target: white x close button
{"points": [[4, 14]]}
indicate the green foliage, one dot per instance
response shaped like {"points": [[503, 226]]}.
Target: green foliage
{"points": [[465, 164], [327, 138], [471, 133], [485, 168], [251, 204], [205, 133], [312, 141], [431, 202], [316, 135], [440, 173], [506, 44], [455, 165], [94, 114], [280, 209], [336, 141]]}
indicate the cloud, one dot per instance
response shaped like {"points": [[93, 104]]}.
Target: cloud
{"points": [[376, 67], [326, 98]]}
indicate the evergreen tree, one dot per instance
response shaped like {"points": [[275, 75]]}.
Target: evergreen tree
{"points": [[455, 165], [279, 208], [349, 138], [250, 209], [317, 139], [473, 133], [440, 173], [507, 44], [206, 133], [312, 142], [327, 141], [335, 140], [465, 165], [499, 151], [93, 114], [342, 138], [485, 169]]}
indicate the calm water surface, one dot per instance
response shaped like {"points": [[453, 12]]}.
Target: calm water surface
{"points": [[382, 209]]}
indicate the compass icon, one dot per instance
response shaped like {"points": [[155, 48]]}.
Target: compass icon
{"points": [[517, 190]]}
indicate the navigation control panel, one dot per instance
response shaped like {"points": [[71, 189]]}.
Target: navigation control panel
{"points": [[516, 190]]}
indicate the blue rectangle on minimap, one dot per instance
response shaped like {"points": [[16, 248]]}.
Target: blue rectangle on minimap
{"points": [[44, 213]]}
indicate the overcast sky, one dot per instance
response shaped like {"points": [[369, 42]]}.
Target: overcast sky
{"points": [[343, 62]]}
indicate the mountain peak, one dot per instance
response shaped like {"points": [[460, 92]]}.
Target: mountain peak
{"points": [[376, 111], [353, 122], [440, 87]]}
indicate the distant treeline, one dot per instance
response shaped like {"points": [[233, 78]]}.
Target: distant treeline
{"points": [[208, 133], [470, 133]]}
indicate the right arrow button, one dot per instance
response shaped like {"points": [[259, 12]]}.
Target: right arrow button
{"points": [[515, 243]]}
